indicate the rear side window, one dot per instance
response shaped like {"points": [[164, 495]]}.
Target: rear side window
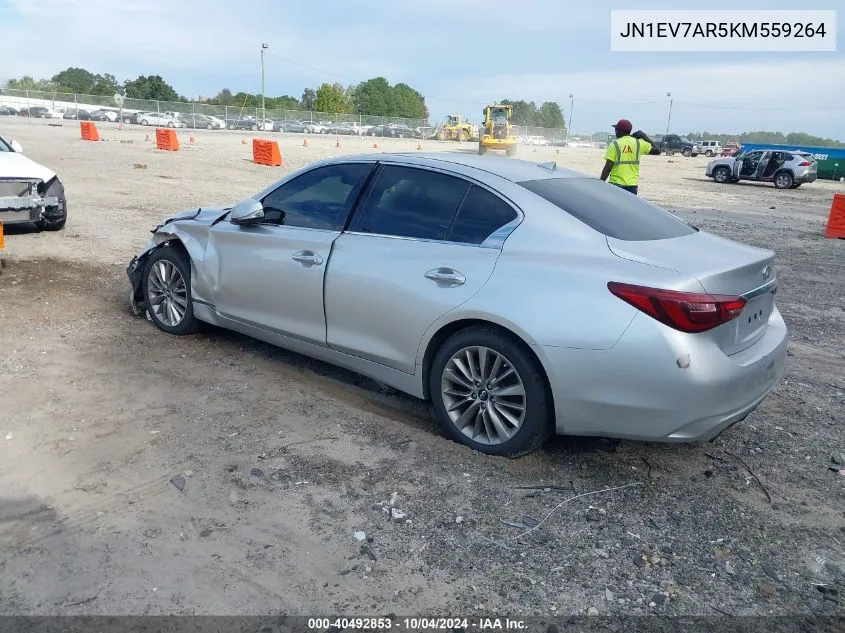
{"points": [[410, 202], [481, 215], [608, 209]]}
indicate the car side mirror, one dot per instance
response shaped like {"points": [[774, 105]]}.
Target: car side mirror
{"points": [[247, 213], [16, 147]]}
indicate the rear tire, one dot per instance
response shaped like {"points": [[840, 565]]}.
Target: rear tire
{"points": [[783, 180], [708, 154], [510, 415], [167, 287], [687, 152]]}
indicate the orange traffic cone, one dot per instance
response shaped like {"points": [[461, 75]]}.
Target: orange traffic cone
{"points": [[836, 220], [375, 145], [191, 140], [147, 137], [419, 146], [243, 140], [305, 142], [337, 141]]}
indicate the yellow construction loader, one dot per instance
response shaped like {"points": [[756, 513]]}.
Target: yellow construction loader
{"points": [[497, 131], [456, 129]]}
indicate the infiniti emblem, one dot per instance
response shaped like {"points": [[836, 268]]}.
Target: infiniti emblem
{"points": [[767, 271]]}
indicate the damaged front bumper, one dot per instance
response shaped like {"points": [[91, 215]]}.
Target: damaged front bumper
{"points": [[21, 201]]}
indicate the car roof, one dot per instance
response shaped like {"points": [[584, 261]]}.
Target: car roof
{"points": [[513, 169]]}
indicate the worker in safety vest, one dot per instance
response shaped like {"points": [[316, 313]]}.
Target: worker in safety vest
{"points": [[622, 158]]}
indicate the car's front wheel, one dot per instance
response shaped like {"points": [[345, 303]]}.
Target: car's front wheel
{"points": [[489, 392], [167, 291], [721, 174]]}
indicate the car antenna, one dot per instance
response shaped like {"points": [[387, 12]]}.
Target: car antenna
{"points": [[551, 166]]}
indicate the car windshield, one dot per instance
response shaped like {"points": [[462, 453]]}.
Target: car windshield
{"points": [[608, 209], [684, 139], [4, 146]]}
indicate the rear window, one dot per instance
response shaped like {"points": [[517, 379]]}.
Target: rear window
{"points": [[609, 209]]}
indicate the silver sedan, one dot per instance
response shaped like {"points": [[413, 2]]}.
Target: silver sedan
{"points": [[522, 299]]}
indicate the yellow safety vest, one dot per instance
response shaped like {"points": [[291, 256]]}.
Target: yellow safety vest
{"points": [[625, 153]]}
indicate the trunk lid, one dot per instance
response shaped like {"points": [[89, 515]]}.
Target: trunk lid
{"points": [[722, 267]]}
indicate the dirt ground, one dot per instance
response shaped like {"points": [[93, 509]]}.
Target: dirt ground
{"points": [[283, 459]]}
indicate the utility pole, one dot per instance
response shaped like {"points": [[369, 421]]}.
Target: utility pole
{"points": [[669, 120], [263, 111], [569, 127]]}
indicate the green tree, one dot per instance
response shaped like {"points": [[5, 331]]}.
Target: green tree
{"points": [[331, 98], [309, 96], [76, 80], [407, 102], [550, 116], [152, 88], [524, 112], [285, 102], [372, 97], [224, 98]]}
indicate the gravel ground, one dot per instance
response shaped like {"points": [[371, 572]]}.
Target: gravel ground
{"points": [[281, 459]]}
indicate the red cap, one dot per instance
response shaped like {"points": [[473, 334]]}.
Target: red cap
{"points": [[623, 124]]}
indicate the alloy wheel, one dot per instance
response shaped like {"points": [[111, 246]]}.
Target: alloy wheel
{"points": [[168, 293], [483, 395]]}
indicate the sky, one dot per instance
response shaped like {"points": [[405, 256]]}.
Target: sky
{"points": [[460, 54]]}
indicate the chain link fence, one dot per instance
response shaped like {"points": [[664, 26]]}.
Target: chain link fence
{"points": [[233, 117]]}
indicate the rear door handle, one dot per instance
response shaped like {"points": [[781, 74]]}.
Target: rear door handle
{"points": [[307, 258], [446, 277]]}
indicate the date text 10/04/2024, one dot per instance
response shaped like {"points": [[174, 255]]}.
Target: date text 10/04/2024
{"points": [[416, 624]]}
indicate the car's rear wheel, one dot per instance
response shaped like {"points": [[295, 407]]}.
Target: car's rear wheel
{"points": [[144, 122], [721, 174], [708, 153], [687, 152], [167, 291], [253, 127], [783, 180], [490, 393]]}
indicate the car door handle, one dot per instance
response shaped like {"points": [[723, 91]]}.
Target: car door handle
{"points": [[446, 277], [309, 258]]}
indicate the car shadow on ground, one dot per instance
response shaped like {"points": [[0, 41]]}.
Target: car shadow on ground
{"points": [[20, 229]]}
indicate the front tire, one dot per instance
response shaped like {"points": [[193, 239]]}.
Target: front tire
{"points": [[167, 291], [721, 175], [490, 393]]}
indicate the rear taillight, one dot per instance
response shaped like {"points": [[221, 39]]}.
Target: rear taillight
{"points": [[684, 311], [806, 163]]}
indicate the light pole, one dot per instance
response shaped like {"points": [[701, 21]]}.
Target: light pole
{"points": [[263, 112], [569, 127], [669, 120]]}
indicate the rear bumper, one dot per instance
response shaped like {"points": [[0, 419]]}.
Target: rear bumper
{"points": [[637, 390]]}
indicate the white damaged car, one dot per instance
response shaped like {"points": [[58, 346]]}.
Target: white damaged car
{"points": [[29, 192]]}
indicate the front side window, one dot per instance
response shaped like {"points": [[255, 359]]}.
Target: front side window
{"points": [[318, 199], [411, 202]]}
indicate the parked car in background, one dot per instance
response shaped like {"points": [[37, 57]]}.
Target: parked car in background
{"points": [[36, 112], [421, 271], [242, 123], [29, 192], [198, 121], [538, 140], [787, 170], [730, 149], [394, 130], [160, 120], [710, 148], [290, 125], [316, 128], [105, 114], [8, 111], [674, 144], [343, 128], [77, 114]]}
